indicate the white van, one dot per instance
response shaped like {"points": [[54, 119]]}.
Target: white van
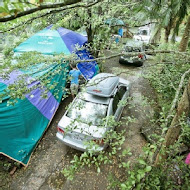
{"points": [[143, 34]]}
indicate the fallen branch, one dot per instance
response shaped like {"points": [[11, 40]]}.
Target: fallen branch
{"points": [[144, 24], [133, 54], [176, 96]]}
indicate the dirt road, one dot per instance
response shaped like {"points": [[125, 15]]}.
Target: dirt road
{"points": [[51, 156]]}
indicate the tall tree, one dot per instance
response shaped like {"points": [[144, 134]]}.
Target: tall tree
{"points": [[168, 14], [185, 38]]}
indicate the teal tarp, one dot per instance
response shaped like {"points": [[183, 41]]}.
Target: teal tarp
{"points": [[22, 125]]}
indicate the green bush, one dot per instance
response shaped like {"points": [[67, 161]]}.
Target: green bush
{"points": [[185, 136]]}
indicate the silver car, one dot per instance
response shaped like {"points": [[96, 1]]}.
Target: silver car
{"points": [[85, 124], [133, 60]]}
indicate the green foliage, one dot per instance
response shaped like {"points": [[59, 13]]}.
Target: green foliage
{"points": [[90, 158], [165, 75], [42, 64], [170, 174], [185, 134], [166, 13]]}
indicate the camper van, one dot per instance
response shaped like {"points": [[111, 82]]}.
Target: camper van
{"points": [[143, 34]]}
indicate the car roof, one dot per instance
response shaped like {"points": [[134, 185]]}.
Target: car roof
{"points": [[103, 84], [93, 98], [144, 28]]}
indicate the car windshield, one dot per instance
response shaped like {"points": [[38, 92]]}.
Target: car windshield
{"points": [[132, 49], [88, 112]]}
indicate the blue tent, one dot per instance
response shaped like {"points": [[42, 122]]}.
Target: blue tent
{"points": [[51, 42]]}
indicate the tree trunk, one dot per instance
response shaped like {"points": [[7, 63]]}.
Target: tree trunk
{"points": [[90, 34], [173, 37], [175, 128], [89, 27], [168, 30], [167, 33], [183, 108], [185, 38], [156, 38]]}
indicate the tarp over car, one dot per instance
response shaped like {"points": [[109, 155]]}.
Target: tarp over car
{"points": [[22, 125]]}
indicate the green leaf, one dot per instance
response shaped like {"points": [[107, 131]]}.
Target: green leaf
{"points": [[141, 171], [138, 177], [141, 161], [152, 146], [3, 10], [123, 186], [148, 168]]}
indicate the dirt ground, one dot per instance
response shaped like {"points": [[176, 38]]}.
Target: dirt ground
{"points": [[51, 156]]}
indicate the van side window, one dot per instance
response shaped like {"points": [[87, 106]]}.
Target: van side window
{"points": [[118, 97]]}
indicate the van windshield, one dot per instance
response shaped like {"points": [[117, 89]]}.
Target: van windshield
{"points": [[88, 112], [143, 32]]}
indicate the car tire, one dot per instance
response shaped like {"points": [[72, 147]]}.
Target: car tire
{"points": [[136, 64], [122, 61]]}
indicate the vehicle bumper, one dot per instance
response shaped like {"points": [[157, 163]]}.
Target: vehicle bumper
{"points": [[131, 62], [73, 144]]}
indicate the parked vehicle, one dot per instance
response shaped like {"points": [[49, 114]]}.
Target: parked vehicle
{"points": [[86, 119], [134, 60], [143, 34]]}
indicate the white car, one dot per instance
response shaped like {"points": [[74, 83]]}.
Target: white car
{"points": [[86, 119]]}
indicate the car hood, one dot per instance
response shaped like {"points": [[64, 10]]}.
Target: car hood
{"points": [[83, 128]]}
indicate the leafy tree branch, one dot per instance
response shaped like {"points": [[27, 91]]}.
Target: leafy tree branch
{"points": [[39, 8], [49, 13]]}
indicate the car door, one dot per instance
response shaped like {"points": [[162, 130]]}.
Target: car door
{"points": [[120, 95]]}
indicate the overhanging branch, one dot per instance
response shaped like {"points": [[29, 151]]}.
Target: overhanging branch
{"points": [[52, 12], [39, 8]]}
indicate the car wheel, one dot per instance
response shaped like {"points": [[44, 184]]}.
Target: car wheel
{"points": [[138, 63], [121, 61]]}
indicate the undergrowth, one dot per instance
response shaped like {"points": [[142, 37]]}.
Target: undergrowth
{"points": [[170, 173]]}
